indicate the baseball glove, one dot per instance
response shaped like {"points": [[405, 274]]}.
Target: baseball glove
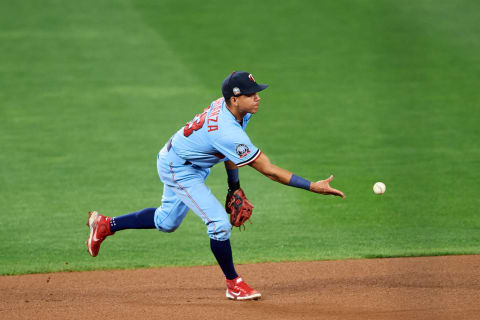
{"points": [[239, 208]]}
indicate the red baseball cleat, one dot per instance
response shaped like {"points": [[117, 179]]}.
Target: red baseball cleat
{"points": [[99, 230], [237, 289]]}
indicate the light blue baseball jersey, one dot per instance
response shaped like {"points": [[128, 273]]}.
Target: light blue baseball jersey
{"points": [[215, 136]]}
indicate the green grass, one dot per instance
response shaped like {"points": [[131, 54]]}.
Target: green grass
{"points": [[368, 91]]}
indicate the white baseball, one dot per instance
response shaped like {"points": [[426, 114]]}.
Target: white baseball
{"points": [[379, 188]]}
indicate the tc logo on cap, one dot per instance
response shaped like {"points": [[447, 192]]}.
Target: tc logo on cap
{"points": [[251, 78]]}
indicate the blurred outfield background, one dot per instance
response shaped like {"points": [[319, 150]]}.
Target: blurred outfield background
{"points": [[378, 90]]}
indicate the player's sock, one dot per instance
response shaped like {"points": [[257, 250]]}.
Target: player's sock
{"points": [[143, 219], [223, 253]]}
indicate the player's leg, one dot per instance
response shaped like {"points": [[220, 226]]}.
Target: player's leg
{"points": [[171, 213], [143, 219], [198, 197], [166, 218], [102, 226]]}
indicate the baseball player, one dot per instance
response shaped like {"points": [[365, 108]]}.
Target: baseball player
{"points": [[215, 135]]}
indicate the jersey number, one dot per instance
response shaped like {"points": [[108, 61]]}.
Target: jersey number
{"points": [[195, 124]]}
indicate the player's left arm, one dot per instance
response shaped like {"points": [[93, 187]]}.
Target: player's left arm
{"points": [[263, 165], [233, 178], [238, 213], [230, 165]]}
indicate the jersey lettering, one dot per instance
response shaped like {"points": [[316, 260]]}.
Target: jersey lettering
{"points": [[213, 117], [213, 135], [195, 124]]}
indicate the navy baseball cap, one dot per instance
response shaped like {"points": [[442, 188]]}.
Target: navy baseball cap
{"points": [[239, 83]]}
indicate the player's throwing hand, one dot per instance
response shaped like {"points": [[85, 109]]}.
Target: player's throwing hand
{"points": [[323, 187], [263, 165]]}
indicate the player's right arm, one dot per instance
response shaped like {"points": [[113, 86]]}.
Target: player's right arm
{"points": [[263, 165]]}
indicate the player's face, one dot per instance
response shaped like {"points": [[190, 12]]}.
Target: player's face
{"points": [[248, 103]]}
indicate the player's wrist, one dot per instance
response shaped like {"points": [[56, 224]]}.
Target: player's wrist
{"points": [[233, 186], [299, 182], [233, 180]]}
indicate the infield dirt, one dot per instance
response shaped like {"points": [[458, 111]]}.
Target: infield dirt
{"points": [[399, 288]]}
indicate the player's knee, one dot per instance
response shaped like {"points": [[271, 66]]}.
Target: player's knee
{"points": [[166, 227], [168, 222], [169, 229], [219, 230]]}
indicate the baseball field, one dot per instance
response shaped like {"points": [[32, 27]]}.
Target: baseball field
{"points": [[368, 91]]}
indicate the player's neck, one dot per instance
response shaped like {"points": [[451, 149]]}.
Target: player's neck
{"points": [[236, 113]]}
